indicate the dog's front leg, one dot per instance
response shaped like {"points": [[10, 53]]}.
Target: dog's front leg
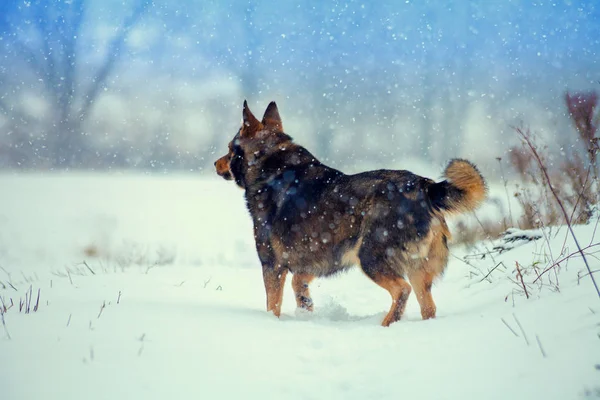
{"points": [[300, 284], [273, 271], [274, 278]]}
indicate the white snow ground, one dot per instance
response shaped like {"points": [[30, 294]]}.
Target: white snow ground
{"points": [[175, 308]]}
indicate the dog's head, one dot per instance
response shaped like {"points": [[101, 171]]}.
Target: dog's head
{"points": [[252, 141]]}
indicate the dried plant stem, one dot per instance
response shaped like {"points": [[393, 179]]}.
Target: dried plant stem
{"points": [[565, 258], [88, 267], [521, 328], [506, 191], [28, 299], [520, 279], [37, 302], [537, 338], [583, 276], [595, 228], [3, 309], [587, 178], [207, 282], [492, 270], [560, 204], [509, 327], [4, 325]]}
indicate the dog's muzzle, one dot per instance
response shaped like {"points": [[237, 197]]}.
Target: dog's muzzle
{"points": [[222, 168]]}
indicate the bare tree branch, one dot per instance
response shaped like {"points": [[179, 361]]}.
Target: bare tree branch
{"points": [[23, 49], [47, 37], [11, 112], [5, 108], [45, 27], [114, 52], [70, 34]]}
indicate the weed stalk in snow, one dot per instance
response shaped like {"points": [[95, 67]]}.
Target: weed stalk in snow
{"points": [[37, 302], [492, 270], [3, 310], [527, 139], [509, 327], [520, 279], [565, 258], [4, 325], [207, 282], [88, 267], [537, 338], [9, 279], [521, 328], [499, 159]]}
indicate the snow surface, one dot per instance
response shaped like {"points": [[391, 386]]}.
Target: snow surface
{"points": [[170, 304]]}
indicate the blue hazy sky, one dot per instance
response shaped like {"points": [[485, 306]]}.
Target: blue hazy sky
{"points": [[428, 69]]}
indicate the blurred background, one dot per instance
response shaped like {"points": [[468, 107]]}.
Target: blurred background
{"points": [[158, 85]]}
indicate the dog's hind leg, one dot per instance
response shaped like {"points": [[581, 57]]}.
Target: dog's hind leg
{"points": [[421, 282], [399, 290], [274, 279], [300, 284], [387, 278], [433, 265]]}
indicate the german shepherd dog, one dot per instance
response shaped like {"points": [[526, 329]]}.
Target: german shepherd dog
{"points": [[315, 221]]}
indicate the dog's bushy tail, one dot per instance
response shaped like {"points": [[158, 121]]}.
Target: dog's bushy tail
{"points": [[463, 190]]}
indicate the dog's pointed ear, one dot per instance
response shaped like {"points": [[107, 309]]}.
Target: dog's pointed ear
{"points": [[271, 118], [251, 125]]}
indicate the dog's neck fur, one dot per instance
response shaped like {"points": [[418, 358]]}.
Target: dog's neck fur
{"points": [[276, 159], [273, 166]]}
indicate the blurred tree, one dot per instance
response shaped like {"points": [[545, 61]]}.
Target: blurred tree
{"points": [[253, 51], [46, 37]]}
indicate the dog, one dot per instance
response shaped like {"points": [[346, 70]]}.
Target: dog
{"points": [[315, 221]]}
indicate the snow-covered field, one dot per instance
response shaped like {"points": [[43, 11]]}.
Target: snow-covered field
{"points": [[150, 288]]}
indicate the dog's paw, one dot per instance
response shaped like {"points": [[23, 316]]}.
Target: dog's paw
{"points": [[304, 302]]}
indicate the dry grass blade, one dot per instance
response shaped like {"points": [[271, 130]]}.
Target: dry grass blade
{"points": [[4, 325], [37, 302], [509, 327], [520, 279], [565, 258], [499, 159], [492, 270], [537, 338], [521, 328], [101, 309], [3, 310], [89, 268], [526, 138]]}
